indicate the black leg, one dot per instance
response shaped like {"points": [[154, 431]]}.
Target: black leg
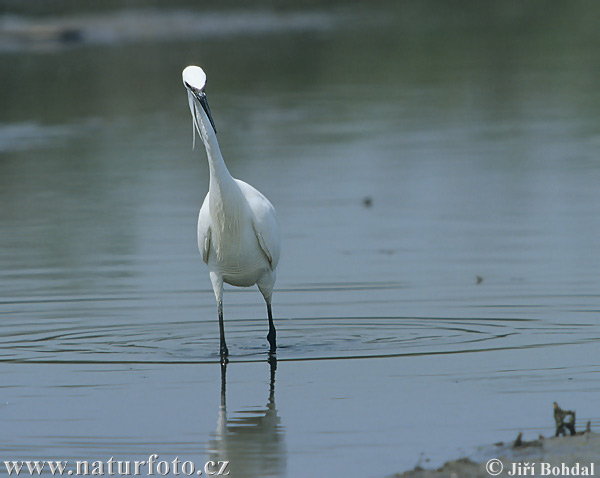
{"points": [[272, 368], [223, 382], [224, 351], [272, 335]]}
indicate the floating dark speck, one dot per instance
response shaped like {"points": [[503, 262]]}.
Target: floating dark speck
{"points": [[70, 35]]}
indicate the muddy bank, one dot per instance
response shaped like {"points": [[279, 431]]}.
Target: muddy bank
{"points": [[547, 456]]}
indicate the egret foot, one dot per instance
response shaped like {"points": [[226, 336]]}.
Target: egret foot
{"points": [[224, 351]]}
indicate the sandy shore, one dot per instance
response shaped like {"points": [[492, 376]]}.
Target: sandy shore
{"points": [[547, 456]]}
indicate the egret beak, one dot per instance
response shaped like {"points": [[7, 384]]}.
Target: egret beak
{"points": [[200, 95], [204, 102]]}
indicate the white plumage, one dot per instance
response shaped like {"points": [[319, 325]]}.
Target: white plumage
{"points": [[238, 233]]}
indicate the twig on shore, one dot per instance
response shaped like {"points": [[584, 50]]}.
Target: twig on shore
{"points": [[564, 419]]}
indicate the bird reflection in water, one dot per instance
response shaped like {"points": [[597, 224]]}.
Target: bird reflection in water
{"points": [[251, 441]]}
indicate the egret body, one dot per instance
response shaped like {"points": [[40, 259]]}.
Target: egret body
{"points": [[238, 233]]}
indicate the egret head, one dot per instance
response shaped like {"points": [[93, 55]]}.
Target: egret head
{"points": [[194, 80]]}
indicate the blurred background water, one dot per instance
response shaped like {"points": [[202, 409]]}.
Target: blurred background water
{"points": [[435, 170]]}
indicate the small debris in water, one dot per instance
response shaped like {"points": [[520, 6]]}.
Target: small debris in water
{"points": [[70, 35], [479, 280], [387, 252], [367, 201]]}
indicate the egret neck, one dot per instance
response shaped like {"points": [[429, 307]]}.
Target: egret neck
{"points": [[224, 193], [219, 173]]}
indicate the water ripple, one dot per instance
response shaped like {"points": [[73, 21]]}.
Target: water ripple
{"points": [[167, 340]]}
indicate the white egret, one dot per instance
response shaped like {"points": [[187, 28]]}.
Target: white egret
{"points": [[238, 233]]}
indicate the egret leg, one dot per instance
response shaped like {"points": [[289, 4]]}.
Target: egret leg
{"points": [[217, 283], [272, 335], [272, 368], [224, 350], [223, 384]]}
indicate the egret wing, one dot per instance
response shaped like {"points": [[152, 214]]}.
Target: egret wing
{"points": [[264, 221], [267, 233], [204, 234]]}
